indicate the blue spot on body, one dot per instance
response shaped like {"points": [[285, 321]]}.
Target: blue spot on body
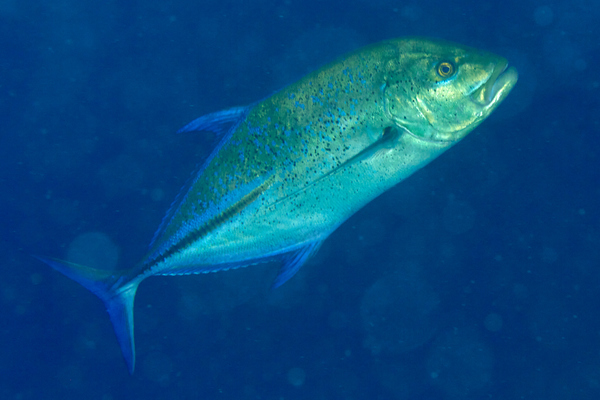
{"points": [[316, 100]]}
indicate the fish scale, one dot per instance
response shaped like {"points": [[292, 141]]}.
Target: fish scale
{"points": [[288, 170]]}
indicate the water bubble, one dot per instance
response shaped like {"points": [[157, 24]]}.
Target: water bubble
{"points": [[522, 94], [412, 13], [121, 176], [296, 376], [458, 216], [337, 320], [312, 49], [399, 313], [213, 293], [405, 200], [460, 363], [582, 382], [157, 367], [191, 305], [94, 250], [562, 52], [91, 343], [580, 65], [62, 211], [520, 292], [371, 232], [9, 293], [400, 378], [8, 8], [157, 194], [493, 322], [36, 279], [549, 255], [543, 16], [551, 322], [69, 376]]}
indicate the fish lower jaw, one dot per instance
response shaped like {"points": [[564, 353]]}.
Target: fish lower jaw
{"points": [[502, 85], [496, 88]]}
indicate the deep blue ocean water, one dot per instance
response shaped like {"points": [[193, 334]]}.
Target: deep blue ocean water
{"points": [[477, 278]]}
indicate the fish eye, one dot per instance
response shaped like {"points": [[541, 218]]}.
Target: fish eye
{"points": [[445, 69]]}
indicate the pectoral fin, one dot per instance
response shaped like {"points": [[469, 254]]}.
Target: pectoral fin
{"points": [[294, 261], [219, 122], [375, 150], [381, 146]]}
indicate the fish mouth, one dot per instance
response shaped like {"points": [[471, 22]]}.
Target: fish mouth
{"points": [[498, 85]]}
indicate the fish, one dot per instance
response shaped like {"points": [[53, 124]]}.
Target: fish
{"points": [[287, 171]]}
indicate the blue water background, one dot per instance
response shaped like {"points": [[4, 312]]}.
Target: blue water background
{"points": [[477, 278]]}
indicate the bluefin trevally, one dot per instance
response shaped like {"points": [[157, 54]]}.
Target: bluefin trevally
{"points": [[288, 170]]}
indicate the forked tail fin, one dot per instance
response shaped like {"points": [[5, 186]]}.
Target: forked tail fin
{"points": [[116, 293]]}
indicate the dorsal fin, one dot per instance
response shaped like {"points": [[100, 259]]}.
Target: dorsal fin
{"points": [[221, 123]]}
